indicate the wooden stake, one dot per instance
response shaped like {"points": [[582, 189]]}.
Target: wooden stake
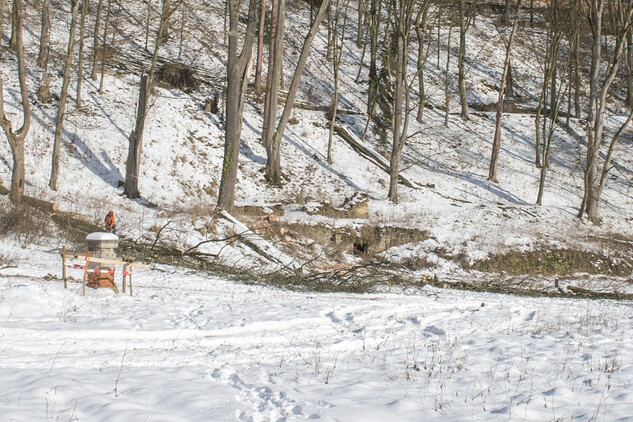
{"points": [[130, 277], [125, 267], [83, 283], [64, 267]]}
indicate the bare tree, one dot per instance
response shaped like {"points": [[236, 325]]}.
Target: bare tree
{"points": [[296, 77], [507, 12], [403, 11], [551, 92], [337, 46], [85, 5], [552, 46], [629, 63], [447, 78], [16, 138], [599, 84], [13, 41], [374, 31], [360, 24], [423, 54], [135, 140], [116, 25], [575, 24], [496, 143], [61, 111], [237, 82], [183, 22], [95, 41], [260, 48], [104, 45], [148, 20], [270, 91], [45, 36], [273, 153], [3, 6], [465, 18]]}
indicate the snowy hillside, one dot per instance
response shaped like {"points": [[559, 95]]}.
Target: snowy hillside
{"points": [[461, 210]]}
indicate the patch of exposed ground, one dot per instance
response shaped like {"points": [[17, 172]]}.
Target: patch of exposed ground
{"points": [[557, 262]]}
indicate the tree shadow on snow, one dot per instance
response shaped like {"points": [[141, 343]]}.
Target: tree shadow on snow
{"points": [[246, 150], [108, 172], [319, 158]]}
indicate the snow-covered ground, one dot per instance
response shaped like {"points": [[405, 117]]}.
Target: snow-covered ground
{"points": [[188, 347]]}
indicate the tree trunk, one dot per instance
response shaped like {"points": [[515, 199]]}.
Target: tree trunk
{"points": [[95, 42], [85, 5], [270, 73], [135, 140], [18, 174], [116, 25], [3, 6], [61, 111], [577, 81], [589, 202], [260, 49], [629, 66], [461, 77], [235, 93], [374, 30], [166, 31], [296, 78], [183, 21], [447, 79], [16, 138], [599, 84], [330, 36], [147, 23], [496, 143], [104, 58], [556, 32], [273, 152], [537, 119], [439, 37], [13, 41], [359, 24], [45, 36], [226, 21], [420, 29], [506, 13], [403, 14], [336, 61]]}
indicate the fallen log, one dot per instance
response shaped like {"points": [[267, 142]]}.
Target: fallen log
{"points": [[372, 155], [40, 204], [261, 245], [33, 202]]}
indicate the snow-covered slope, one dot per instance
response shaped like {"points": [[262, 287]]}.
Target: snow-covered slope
{"points": [[183, 146]]}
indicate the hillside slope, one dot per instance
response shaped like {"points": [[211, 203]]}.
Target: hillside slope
{"points": [[465, 217]]}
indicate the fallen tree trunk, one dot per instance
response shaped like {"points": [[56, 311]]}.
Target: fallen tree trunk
{"points": [[372, 155], [261, 245], [33, 202]]}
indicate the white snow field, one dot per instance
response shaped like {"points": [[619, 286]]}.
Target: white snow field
{"points": [[188, 347]]}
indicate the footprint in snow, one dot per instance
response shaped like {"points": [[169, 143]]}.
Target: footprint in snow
{"points": [[333, 317], [433, 330]]}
